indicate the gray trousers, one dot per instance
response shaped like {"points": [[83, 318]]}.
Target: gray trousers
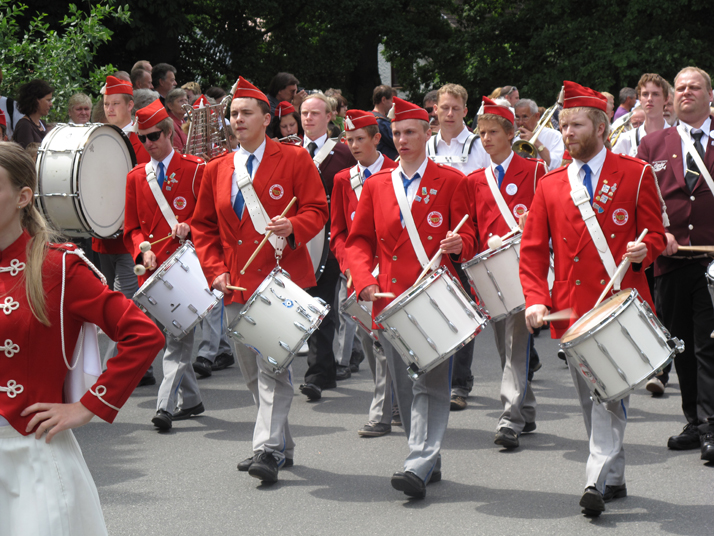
{"points": [[272, 393], [381, 408], [605, 424], [424, 407], [346, 327], [513, 344], [215, 340], [179, 388]]}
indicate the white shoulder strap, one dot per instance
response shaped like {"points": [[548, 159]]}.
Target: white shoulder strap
{"points": [[431, 147], [467, 146], [408, 218], [258, 216], [159, 196], [324, 151], [500, 201], [581, 198], [356, 181], [691, 150]]}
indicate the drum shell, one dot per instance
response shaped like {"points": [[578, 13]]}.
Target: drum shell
{"points": [[177, 294], [266, 320], [494, 277], [631, 325], [319, 250], [361, 312], [409, 340], [82, 173]]}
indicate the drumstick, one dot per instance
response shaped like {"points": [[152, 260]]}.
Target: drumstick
{"points": [[231, 287], [496, 241], [384, 295], [265, 239], [349, 281], [620, 270], [139, 269], [146, 246], [703, 249], [439, 253], [565, 314]]}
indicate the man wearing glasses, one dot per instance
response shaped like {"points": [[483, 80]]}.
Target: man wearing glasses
{"points": [[549, 144], [160, 199]]}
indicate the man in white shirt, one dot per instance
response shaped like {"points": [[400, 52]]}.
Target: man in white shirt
{"points": [[549, 143]]}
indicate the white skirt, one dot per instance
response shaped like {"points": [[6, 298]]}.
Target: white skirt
{"points": [[46, 489]]}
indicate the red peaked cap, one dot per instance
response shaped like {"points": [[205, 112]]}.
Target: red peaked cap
{"points": [[201, 100], [490, 107], [3, 121], [246, 89], [114, 86], [284, 108], [577, 96], [358, 119], [406, 110], [151, 115]]}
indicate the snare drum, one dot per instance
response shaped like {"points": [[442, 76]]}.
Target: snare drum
{"points": [[429, 322], [619, 345], [319, 249], [494, 277], [177, 294], [710, 279], [361, 312], [81, 172], [277, 319]]}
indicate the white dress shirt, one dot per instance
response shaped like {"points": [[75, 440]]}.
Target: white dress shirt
{"points": [[413, 188], [627, 142], [595, 164], [374, 168], [242, 159], [504, 165], [319, 142], [478, 157], [706, 128], [166, 161]]}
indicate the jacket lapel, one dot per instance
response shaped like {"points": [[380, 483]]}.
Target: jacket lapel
{"points": [[271, 158], [429, 182], [224, 184], [673, 146], [168, 194]]}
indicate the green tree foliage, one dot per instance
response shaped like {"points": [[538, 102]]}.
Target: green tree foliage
{"points": [[64, 58]]}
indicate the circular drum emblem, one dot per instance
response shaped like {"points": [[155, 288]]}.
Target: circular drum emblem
{"points": [[519, 210], [620, 216], [435, 219], [179, 203], [586, 372], [276, 191]]}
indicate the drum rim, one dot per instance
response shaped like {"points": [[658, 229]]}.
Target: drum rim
{"points": [[484, 255], [161, 270], [710, 268], [263, 284], [634, 294], [411, 293]]}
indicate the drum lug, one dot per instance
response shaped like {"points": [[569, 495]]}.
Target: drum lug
{"points": [[414, 371], [627, 335], [177, 325], [435, 305], [272, 361], [315, 309], [265, 299], [322, 302], [301, 311], [421, 330], [285, 346], [279, 283], [167, 284], [151, 300], [250, 320], [612, 361], [300, 327], [676, 344], [467, 311], [192, 309], [184, 266]]}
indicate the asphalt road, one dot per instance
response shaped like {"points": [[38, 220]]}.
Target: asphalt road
{"points": [[185, 482]]}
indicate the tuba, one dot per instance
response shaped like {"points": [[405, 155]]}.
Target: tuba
{"points": [[291, 140], [527, 148]]}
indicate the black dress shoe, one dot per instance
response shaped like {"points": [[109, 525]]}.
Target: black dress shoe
{"points": [[529, 427], [435, 477], [244, 465], [592, 502], [409, 483], [264, 468], [162, 420], [506, 437], [183, 414], [614, 492], [708, 446], [311, 391], [687, 440], [147, 379], [202, 367], [342, 373], [223, 361], [354, 367]]}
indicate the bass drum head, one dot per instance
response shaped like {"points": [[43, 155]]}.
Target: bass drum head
{"points": [[106, 160], [319, 249]]}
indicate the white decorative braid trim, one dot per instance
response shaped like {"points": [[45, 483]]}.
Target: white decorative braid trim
{"points": [[15, 267], [99, 393], [81, 255], [10, 305], [12, 389], [10, 348]]}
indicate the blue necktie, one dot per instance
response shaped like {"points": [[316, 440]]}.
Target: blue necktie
{"points": [[366, 173], [162, 175], [501, 174], [239, 202], [406, 182], [587, 181]]}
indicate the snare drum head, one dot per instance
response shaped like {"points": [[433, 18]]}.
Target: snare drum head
{"points": [[103, 167], [594, 317]]}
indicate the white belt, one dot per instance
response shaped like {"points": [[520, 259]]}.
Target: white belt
{"points": [[356, 181], [500, 201]]}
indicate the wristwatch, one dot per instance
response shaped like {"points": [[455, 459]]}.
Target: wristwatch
{"points": [[540, 148]]}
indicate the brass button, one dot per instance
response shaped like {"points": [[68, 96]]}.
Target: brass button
{"points": [[151, 236], [577, 281], [394, 280], [612, 235], [602, 281], [565, 239], [429, 238], [240, 242], [394, 258], [255, 241], [691, 226], [576, 259], [692, 198]]}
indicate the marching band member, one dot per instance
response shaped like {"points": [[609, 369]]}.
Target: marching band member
{"points": [[683, 303], [623, 193], [455, 146], [437, 196], [652, 92], [330, 157], [226, 235], [286, 121], [45, 485], [549, 143], [160, 200], [500, 197], [362, 135]]}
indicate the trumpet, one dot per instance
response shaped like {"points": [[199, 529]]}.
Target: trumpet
{"points": [[527, 148], [291, 140], [619, 127]]}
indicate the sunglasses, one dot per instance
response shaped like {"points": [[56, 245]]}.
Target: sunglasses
{"points": [[154, 136], [513, 88]]}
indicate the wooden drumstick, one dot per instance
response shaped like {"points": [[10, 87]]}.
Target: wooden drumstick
{"points": [[620, 270], [146, 246], [349, 281], [439, 253], [267, 236], [231, 287], [565, 314], [702, 249], [385, 295]]}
